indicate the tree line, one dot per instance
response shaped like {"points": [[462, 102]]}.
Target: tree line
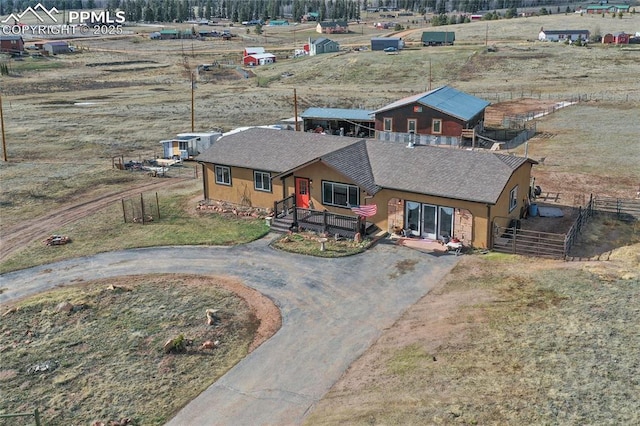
{"points": [[246, 10]]}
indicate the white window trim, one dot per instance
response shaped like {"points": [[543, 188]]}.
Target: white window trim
{"points": [[215, 172], [384, 122], [513, 198], [326, 203], [415, 125], [266, 177], [433, 126]]}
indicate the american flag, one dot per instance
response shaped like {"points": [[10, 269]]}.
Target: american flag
{"points": [[366, 211]]}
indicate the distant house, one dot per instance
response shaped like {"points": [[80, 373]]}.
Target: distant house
{"points": [[563, 35], [311, 16], [438, 38], [278, 23], [258, 59], [56, 47], [339, 121], [332, 27], [437, 117], [169, 34], [607, 8], [13, 44], [381, 43], [322, 45]]}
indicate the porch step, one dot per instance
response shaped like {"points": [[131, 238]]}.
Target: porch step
{"points": [[281, 225]]}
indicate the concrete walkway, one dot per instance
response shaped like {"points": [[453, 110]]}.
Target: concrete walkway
{"points": [[332, 311]]}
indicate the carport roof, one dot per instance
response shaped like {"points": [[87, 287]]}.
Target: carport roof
{"points": [[338, 114]]}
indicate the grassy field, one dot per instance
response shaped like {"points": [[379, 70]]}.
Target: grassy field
{"points": [[504, 341], [109, 363]]}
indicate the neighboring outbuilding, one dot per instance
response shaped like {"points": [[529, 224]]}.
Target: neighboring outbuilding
{"points": [[56, 47], [258, 59], [381, 43], [442, 116], [253, 51], [188, 145], [278, 23], [313, 181], [13, 44], [332, 27], [438, 38], [339, 121], [563, 35], [322, 45], [616, 38]]}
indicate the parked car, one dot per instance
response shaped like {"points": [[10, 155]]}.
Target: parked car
{"points": [[391, 50]]}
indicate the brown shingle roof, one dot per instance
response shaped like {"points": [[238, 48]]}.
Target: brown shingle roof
{"points": [[478, 176]]}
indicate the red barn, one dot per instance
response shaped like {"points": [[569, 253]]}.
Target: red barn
{"points": [[258, 59], [621, 38], [13, 44]]}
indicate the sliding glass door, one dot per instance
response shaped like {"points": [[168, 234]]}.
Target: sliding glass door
{"points": [[428, 221]]}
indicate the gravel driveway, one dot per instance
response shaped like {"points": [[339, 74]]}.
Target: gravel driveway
{"points": [[332, 311]]}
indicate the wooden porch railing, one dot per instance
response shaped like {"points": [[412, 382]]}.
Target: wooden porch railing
{"points": [[284, 207], [331, 223]]}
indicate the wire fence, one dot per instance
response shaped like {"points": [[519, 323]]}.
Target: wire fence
{"points": [[143, 209], [583, 97]]}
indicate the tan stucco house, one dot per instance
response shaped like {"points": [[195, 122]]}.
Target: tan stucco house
{"points": [[431, 192]]}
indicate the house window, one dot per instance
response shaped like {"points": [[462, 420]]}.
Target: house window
{"points": [[412, 125], [262, 181], [183, 146], [339, 194], [513, 199], [388, 124], [223, 175], [436, 126]]}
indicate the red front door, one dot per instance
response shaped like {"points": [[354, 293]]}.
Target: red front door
{"points": [[302, 193]]}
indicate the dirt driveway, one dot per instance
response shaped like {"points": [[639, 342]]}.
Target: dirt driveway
{"points": [[332, 311]]}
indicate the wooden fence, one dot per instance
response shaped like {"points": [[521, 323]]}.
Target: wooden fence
{"points": [[35, 414]]}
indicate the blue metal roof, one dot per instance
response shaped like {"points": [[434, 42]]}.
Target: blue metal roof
{"points": [[447, 100], [338, 114]]}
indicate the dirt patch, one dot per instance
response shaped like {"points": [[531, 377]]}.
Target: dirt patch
{"points": [[495, 112]]}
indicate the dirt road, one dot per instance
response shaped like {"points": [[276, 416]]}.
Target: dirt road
{"points": [[16, 237]]}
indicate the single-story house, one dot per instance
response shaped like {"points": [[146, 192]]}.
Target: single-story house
{"points": [[339, 121], [381, 43], [563, 35], [315, 180], [332, 27], [607, 8], [322, 45], [438, 38], [258, 59], [169, 34], [440, 116], [56, 47], [13, 44]]}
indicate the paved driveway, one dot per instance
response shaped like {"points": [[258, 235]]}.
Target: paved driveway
{"points": [[332, 311]]}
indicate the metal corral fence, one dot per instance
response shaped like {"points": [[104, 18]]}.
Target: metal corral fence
{"points": [[35, 414], [143, 209], [514, 240], [624, 209]]}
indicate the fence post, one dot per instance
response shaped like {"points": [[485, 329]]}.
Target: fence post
{"points": [[513, 244], [36, 415], [142, 207], [324, 221], [124, 214], [158, 206]]}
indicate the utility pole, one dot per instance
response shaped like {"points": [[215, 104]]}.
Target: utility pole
{"points": [[4, 143], [486, 37], [193, 103], [295, 109], [429, 74]]}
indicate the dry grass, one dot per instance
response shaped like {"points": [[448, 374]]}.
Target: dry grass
{"points": [[534, 342], [309, 243], [104, 360]]}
